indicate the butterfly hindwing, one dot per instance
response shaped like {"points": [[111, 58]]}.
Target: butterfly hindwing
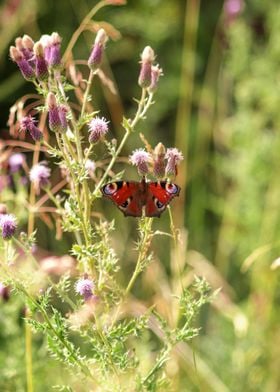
{"points": [[159, 195], [125, 195]]}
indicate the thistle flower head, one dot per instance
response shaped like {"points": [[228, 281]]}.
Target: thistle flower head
{"points": [[85, 286], [41, 65], [39, 176], [25, 67], [16, 161], [96, 55], [28, 123], [140, 158], [57, 114], [174, 157], [147, 58], [8, 225], [52, 44], [98, 127]]}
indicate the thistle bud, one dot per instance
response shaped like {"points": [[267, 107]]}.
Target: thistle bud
{"points": [[159, 161], [156, 72], [23, 64], [95, 58], [41, 65], [145, 76], [27, 49], [54, 55], [57, 115]]}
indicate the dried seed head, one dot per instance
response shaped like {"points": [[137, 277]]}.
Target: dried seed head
{"points": [[159, 161]]}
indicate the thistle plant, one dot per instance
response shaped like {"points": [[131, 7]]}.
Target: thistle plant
{"points": [[98, 335]]}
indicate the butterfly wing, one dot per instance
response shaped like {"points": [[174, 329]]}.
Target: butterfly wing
{"points": [[126, 195], [159, 195]]}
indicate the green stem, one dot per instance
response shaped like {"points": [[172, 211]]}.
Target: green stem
{"points": [[144, 246], [85, 98], [28, 354]]}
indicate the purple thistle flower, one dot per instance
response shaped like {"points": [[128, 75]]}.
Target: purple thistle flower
{"points": [[27, 123], [98, 127], [233, 7], [90, 167], [54, 55], [145, 76], [85, 286], [8, 225], [57, 115], [174, 157], [16, 161], [140, 159], [96, 55], [27, 48], [25, 68], [39, 176], [41, 65]]}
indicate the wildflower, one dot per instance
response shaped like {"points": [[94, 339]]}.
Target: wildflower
{"points": [[41, 65], [16, 161], [156, 72], [145, 76], [232, 9], [95, 58], [39, 176], [27, 123], [26, 69], [27, 48], [159, 157], [98, 127], [174, 157], [8, 225], [4, 292], [57, 114], [90, 167], [85, 287], [140, 159], [54, 56]]}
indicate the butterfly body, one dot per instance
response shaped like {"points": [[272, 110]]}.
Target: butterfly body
{"points": [[141, 198]]}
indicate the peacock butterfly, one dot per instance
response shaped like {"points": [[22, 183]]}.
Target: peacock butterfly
{"points": [[133, 197]]}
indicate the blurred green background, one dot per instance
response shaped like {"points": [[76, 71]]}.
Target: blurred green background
{"points": [[218, 102]]}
